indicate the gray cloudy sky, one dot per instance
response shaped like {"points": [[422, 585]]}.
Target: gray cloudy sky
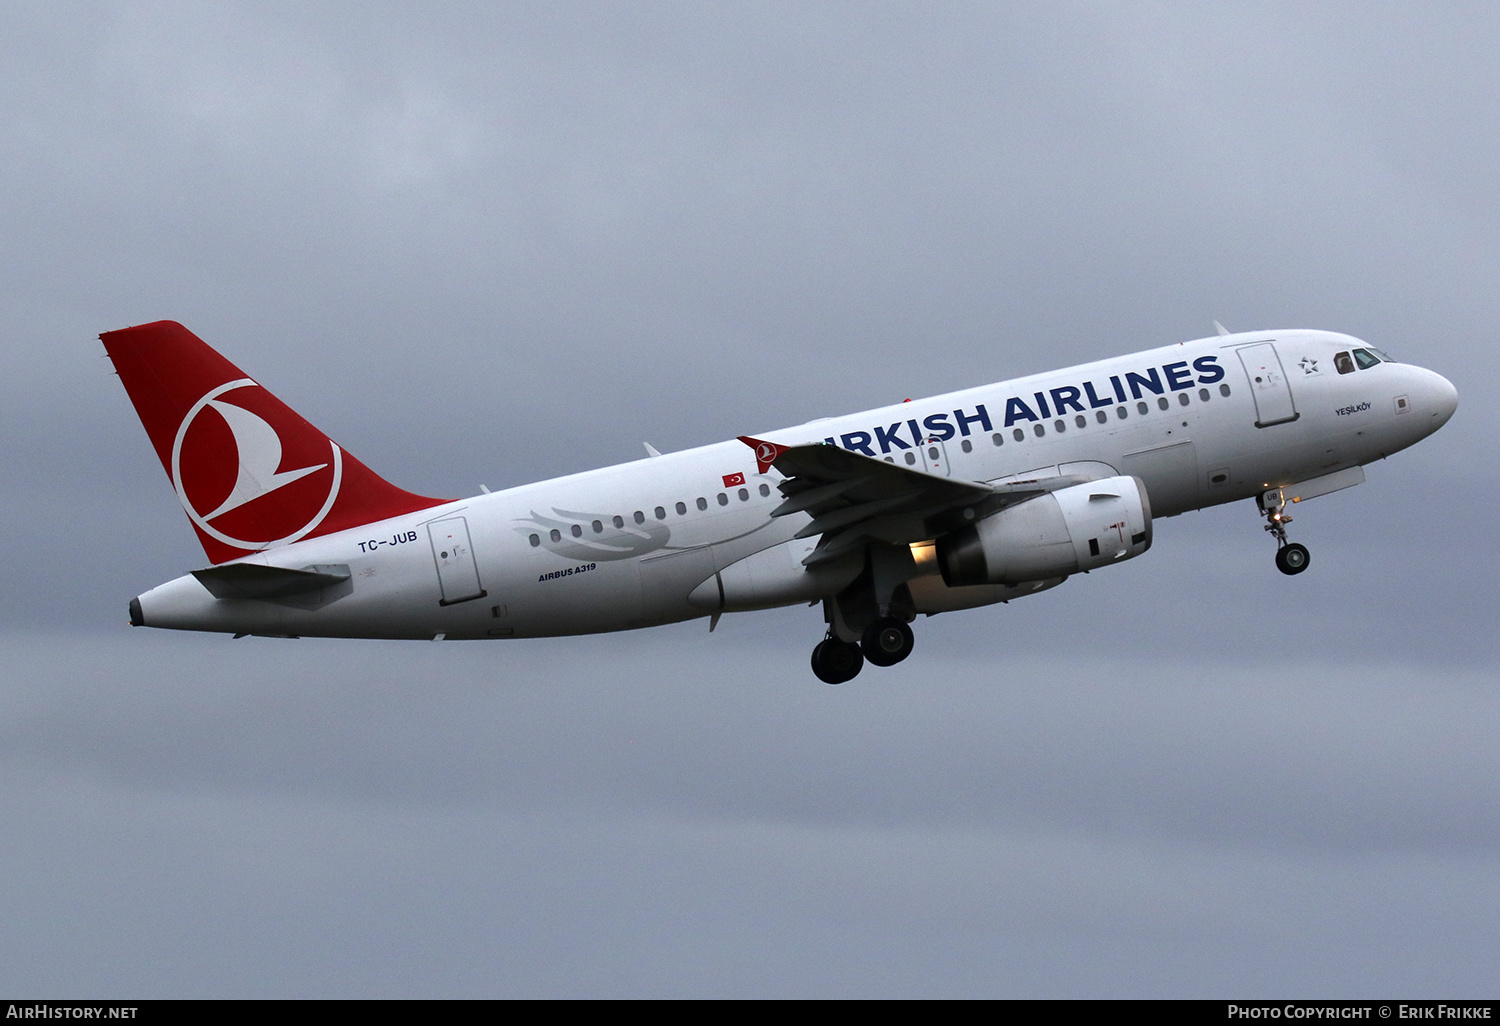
{"points": [[497, 243]]}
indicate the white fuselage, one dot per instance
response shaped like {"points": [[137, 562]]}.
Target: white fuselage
{"points": [[1201, 423]]}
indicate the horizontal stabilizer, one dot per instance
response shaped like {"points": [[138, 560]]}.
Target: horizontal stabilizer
{"points": [[254, 581]]}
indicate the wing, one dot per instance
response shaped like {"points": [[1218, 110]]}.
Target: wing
{"points": [[855, 500]]}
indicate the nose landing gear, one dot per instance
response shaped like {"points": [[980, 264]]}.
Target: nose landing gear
{"points": [[1291, 557]]}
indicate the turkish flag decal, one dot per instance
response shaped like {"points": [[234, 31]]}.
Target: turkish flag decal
{"points": [[730, 480]]}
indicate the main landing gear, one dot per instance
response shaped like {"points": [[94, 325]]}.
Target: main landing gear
{"points": [[1291, 557], [885, 642], [876, 609]]}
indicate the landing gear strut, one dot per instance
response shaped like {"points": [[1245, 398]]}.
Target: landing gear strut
{"points": [[1291, 557]]}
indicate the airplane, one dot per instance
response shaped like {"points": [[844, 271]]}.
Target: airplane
{"points": [[925, 506]]}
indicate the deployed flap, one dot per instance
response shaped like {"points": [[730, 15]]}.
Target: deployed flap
{"points": [[254, 581], [855, 499]]}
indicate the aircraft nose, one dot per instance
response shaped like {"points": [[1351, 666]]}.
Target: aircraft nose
{"points": [[1444, 400]]}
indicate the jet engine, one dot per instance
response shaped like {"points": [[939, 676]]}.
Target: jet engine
{"points": [[1076, 528]]}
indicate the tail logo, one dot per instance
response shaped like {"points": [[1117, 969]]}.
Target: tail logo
{"points": [[258, 474], [766, 453]]}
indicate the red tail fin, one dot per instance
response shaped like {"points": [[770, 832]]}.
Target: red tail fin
{"points": [[249, 471]]}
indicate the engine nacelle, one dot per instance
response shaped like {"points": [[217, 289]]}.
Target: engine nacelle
{"points": [[1072, 529]]}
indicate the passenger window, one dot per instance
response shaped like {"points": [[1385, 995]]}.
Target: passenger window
{"points": [[997, 439], [890, 459], [1365, 359], [1183, 399], [1018, 435], [1080, 420], [1342, 363], [1121, 412], [1101, 417], [1203, 395], [556, 535], [911, 459], [619, 521], [1039, 429], [640, 517], [968, 445], [682, 509], [598, 527], [932, 453], [1224, 390], [744, 495], [1059, 425], [661, 514], [765, 490], [723, 499], [535, 541], [577, 531], [702, 503], [1162, 403], [1142, 409]]}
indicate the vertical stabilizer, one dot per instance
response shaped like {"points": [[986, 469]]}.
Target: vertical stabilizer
{"points": [[250, 473]]}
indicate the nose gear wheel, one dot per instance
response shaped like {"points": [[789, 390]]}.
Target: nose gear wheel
{"points": [[1291, 557]]}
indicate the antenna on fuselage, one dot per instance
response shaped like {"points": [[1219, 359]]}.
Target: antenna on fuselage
{"points": [[651, 449], [1221, 329]]}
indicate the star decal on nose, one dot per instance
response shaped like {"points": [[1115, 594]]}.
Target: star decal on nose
{"points": [[1308, 365]]}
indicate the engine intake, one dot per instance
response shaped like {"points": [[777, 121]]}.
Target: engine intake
{"points": [[1076, 528]]}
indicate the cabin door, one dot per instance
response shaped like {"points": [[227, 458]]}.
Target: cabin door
{"points": [[458, 574], [1268, 384]]}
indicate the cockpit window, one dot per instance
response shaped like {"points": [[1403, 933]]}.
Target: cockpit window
{"points": [[1365, 359], [1381, 353], [1343, 363]]}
